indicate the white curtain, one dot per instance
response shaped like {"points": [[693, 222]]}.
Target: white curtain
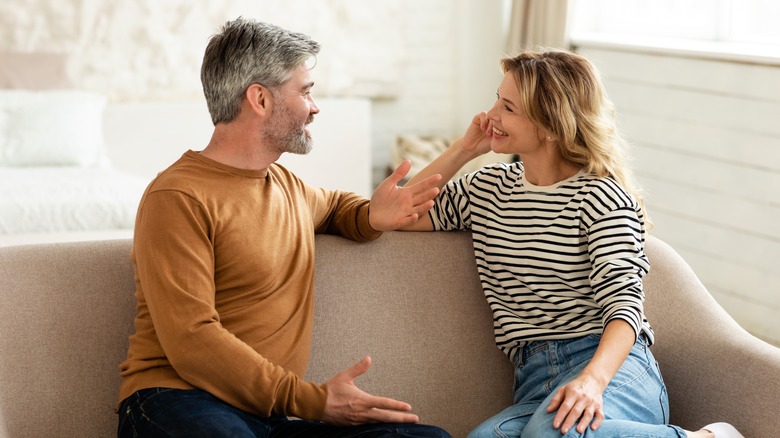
{"points": [[538, 23]]}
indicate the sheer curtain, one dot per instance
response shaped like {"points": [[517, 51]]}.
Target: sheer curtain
{"points": [[538, 23]]}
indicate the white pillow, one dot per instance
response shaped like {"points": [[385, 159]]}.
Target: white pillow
{"points": [[51, 128]]}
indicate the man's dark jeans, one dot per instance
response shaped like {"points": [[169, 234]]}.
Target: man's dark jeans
{"points": [[164, 412]]}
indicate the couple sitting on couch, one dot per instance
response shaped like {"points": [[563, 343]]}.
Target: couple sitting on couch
{"points": [[224, 260]]}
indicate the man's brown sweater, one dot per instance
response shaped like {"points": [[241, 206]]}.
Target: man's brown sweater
{"points": [[224, 267]]}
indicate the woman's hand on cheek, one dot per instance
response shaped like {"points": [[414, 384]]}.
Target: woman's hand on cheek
{"points": [[477, 137]]}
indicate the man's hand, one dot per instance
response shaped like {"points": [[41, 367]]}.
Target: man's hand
{"points": [[347, 405], [393, 207]]}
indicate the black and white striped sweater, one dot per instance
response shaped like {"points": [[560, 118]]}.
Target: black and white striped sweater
{"points": [[555, 262]]}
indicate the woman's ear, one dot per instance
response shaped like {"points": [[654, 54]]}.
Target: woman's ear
{"points": [[545, 136]]}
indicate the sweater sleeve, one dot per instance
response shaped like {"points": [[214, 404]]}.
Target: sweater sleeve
{"points": [[175, 263], [341, 213]]}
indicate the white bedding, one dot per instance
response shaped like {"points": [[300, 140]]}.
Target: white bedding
{"points": [[66, 199]]}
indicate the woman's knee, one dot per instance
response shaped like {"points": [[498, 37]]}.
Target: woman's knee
{"points": [[540, 425]]}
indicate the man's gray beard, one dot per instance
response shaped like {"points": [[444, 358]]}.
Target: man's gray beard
{"points": [[298, 143], [294, 141]]}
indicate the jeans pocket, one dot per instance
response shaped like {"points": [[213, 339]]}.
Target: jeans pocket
{"points": [[635, 369], [127, 421], [123, 426]]}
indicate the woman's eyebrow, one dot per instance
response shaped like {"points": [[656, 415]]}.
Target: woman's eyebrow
{"points": [[506, 100]]}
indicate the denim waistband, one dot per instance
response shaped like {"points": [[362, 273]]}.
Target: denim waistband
{"points": [[520, 354]]}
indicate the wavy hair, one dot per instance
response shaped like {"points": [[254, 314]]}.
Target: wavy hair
{"points": [[246, 52], [562, 93]]}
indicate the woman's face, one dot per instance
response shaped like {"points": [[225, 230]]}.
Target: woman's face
{"points": [[513, 132]]}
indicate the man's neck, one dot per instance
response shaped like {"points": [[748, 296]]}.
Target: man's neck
{"points": [[234, 146]]}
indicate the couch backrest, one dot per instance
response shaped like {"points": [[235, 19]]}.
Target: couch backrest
{"points": [[67, 311], [413, 302], [410, 300]]}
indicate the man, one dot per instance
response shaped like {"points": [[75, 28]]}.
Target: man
{"points": [[223, 255]]}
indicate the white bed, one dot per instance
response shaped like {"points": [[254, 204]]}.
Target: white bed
{"points": [[73, 167], [56, 181], [62, 199]]}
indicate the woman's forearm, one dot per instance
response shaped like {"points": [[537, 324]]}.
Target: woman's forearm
{"points": [[616, 343], [474, 143], [447, 164]]}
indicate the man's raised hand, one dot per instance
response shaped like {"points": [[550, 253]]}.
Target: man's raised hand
{"points": [[393, 207]]}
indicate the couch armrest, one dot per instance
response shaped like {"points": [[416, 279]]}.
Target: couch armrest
{"points": [[714, 370]]}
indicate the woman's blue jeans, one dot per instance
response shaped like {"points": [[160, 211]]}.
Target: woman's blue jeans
{"points": [[164, 412], [635, 402]]}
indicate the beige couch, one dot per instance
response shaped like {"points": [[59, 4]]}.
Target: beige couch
{"points": [[410, 300]]}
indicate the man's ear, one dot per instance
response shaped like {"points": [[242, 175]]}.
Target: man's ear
{"points": [[259, 99]]}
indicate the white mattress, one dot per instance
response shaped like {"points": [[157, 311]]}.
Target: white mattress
{"points": [[66, 199]]}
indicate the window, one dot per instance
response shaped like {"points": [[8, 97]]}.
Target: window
{"points": [[747, 26]]}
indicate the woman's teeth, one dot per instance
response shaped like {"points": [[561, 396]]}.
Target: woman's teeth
{"points": [[499, 132]]}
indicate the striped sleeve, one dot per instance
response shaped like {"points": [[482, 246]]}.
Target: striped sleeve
{"points": [[615, 230], [452, 209]]}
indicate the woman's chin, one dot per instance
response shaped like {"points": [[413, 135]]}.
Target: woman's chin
{"points": [[497, 146]]}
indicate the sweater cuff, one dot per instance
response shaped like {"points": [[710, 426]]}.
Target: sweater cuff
{"points": [[367, 232], [310, 401]]}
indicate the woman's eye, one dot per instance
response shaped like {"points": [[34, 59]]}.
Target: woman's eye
{"points": [[506, 107]]}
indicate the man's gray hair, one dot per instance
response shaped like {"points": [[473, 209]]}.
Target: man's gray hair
{"points": [[246, 52]]}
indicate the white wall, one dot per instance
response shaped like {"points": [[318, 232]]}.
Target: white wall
{"points": [[145, 138], [427, 65], [707, 151], [450, 73]]}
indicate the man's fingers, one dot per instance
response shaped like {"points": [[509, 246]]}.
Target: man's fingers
{"points": [[388, 410], [359, 368], [425, 184], [400, 172], [421, 200], [385, 416], [386, 403], [408, 220]]}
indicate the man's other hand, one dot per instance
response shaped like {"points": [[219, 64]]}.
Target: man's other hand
{"points": [[347, 405]]}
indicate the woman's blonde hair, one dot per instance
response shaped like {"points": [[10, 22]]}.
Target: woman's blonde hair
{"points": [[562, 93]]}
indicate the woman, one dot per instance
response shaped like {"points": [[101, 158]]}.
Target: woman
{"points": [[559, 243]]}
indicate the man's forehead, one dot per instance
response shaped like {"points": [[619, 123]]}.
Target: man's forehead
{"points": [[301, 78]]}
